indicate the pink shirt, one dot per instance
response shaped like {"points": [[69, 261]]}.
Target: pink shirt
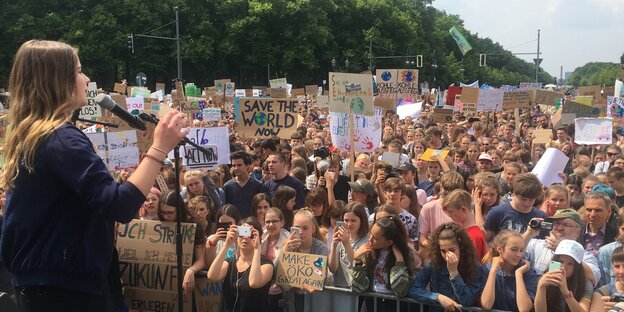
{"points": [[431, 216]]}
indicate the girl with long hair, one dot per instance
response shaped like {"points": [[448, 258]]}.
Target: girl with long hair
{"points": [[77, 201], [511, 282], [246, 278], [347, 238], [566, 289], [454, 275]]}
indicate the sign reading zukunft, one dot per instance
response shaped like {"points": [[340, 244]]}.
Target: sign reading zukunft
{"points": [[91, 109], [268, 117]]}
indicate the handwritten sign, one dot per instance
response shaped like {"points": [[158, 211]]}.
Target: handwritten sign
{"points": [[351, 93], [367, 135], [490, 100], [268, 117], [593, 131], [298, 270], [148, 263], [516, 99], [91, 109]]}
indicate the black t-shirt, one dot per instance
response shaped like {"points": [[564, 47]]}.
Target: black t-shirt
{"points": [[238, 296]]}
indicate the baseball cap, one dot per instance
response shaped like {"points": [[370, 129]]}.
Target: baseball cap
{"points": [[571, 248], [362, 186], [567, 214], [485, 156], [407, 166]]}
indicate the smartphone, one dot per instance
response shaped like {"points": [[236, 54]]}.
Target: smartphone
{"points": [[554, 266], [244, 231], [339, 224], [295, 232]]}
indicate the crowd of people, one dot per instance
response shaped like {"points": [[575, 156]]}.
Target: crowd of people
{"points": [[475, 228]]}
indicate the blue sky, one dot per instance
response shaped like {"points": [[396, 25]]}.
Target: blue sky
{"points": [[573, 32]]}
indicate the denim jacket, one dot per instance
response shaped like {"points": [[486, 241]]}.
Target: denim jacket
{"points": [[440, 282]]}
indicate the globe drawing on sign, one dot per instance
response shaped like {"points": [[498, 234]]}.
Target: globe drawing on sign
{"points": [[357, 105], [260, 119], [386, 76]]}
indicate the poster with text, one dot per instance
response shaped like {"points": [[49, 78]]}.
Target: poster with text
{"points": [[351, 93], [367, 134], [268, 117]]}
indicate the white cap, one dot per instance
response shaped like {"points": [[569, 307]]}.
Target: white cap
{"points": [[571, 248]]}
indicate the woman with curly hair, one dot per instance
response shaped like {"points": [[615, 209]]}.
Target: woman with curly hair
{"points": [[454, 274]]}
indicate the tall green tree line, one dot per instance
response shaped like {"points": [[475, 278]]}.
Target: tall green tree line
{"points": [[252, 40]]}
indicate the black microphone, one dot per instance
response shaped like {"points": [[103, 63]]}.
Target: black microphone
{"points": [[107, 103]]}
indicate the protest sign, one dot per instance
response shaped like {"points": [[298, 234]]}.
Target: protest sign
{"points": [[123, 151], [91, 110], [211, 114], [469, 99], [278, 83], [582, 110], [490, 100], [148, 263], [516, 99], [451, 93], [215, 140], [301, 269], [207, 295], [442, 115], [549, 166], [367, 135], [268, 117], [120, 88], [593, 131], [351, 93], [615, 106], [135, 105], [407, 84], [546, 97]]}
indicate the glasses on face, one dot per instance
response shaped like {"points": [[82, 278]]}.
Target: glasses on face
{"points": [[272, 221]]}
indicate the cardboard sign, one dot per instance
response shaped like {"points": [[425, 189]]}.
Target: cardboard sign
{"points": [[443, 115], [91, 110], [278, 83], [120, 88], [546, 97], [299, 269], [148, 263], [278, 93], [351, 93], [367, 135], [469, 99], [593, 131], [265, 118], [516, 99]]}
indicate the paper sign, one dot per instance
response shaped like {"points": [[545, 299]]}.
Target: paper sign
{"points": [[265, 118], [490, 100], [549, 166], [301, 269], [120, 88], [546, 97], [367, 135], [91, 109], [516, 99], [148, 262], [442, 115], [430, 152], [593, 131], [123, 151], [211, 113], [351, 93], [278, 83]]}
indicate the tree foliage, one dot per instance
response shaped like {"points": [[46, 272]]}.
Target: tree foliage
{"points": [[592, 74], [251, 41]]}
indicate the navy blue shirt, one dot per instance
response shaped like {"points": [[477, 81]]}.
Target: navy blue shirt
{"points": [[272, 185], [241, 196], [59, 223]]}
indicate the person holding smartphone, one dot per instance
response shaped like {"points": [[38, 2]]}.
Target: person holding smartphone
{"points": [[246, 278]]}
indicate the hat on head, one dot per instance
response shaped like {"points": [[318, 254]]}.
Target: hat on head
{"points": [[571, 248], [567, 214], [362, 186], [406, 166], [485, 156]]}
